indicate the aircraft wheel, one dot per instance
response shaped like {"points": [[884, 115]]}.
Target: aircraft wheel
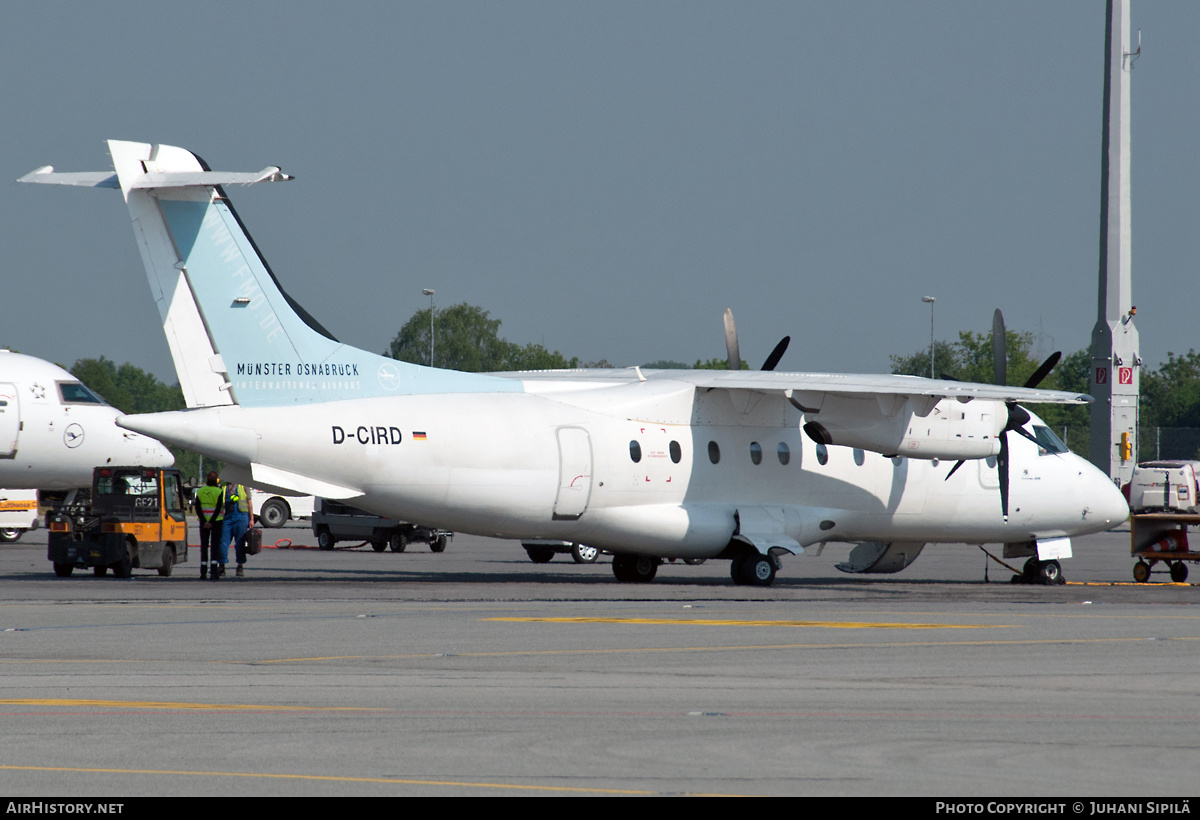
{"points": [[438, 544], [1029, 572], [1050, 573], [583, 554], [398, 542], [635, 568], [99, 572], [273, 514], [1179, 572], [735, 568], [325, 540], [758, 570], [622, 568], [1141, 572], [645, 568], [168, 561], [540, 556], [64, 570]]}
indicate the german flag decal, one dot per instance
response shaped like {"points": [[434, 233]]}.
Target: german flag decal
{"points": [[418, 435]]}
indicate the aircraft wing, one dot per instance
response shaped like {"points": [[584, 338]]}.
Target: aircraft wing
{"points": [[798, 384]]}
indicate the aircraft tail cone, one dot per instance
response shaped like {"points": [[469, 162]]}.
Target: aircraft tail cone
{"points": [[201, 431]]}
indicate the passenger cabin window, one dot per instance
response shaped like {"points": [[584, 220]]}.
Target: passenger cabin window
{"points": [[635, 451], [76, 393], [822, 454], [714, 452], [756, 452], [676, 452], [785, 455]]}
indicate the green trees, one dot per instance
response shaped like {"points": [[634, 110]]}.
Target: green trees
{"points": [[970, 359], [1171, 394], [127, 388], [467, 338]]}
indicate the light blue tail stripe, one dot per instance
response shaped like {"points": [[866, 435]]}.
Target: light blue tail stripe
{"points": [[272, 356]]}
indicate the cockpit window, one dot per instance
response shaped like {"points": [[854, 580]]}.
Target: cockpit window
{"points": [[76, 393], [1047, 441]]}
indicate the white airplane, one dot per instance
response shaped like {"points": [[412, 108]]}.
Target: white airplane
{"points": [[648, 465], [54, 430]]}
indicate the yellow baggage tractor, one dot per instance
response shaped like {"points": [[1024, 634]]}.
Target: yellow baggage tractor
{"points": [[135, 520]]}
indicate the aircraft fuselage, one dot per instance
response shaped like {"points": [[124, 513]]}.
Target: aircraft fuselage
{"points": [[669, 471]]}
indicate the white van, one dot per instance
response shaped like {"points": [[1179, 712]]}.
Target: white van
{"points": [[275, 510], [18, 512]]}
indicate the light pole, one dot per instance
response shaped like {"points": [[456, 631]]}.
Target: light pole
{"points": [[429, 292], [930, 300]]}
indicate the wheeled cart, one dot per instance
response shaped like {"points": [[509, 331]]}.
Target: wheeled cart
{"points": [[1162, 537]]}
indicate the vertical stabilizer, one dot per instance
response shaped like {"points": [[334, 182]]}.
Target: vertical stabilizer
{"points": [[196, 362]]}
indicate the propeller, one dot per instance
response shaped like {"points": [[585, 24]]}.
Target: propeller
{"points": [[734, 355], [1018, 416], [776, 354]]}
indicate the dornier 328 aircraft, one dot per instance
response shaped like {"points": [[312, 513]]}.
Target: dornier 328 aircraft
{"points": [[646, 464]]}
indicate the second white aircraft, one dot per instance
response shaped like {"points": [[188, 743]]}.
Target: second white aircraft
{"points": [[54, 430]]}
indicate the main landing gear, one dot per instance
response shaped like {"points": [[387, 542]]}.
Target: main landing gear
{"points": [[747, 568], [753, 569]]}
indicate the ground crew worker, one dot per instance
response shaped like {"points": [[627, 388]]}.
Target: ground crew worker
{"points": [[211, 511], [237, 522]]}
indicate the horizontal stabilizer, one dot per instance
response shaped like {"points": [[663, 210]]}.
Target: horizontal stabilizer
{"points": [[154, 179], [157, 179], [86, 179]]}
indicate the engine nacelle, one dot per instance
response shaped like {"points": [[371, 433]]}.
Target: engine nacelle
{"points": [[915, 427], [873, 556]]}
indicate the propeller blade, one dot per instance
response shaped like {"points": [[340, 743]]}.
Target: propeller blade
{"points": [[1002, 467], [1018, 416], [1044, 371], [777, 353], [999, 349], [957, 464], [731, 342]]}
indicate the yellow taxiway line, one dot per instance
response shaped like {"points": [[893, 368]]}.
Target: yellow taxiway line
{"points": [[463, 784], [730, 622]]}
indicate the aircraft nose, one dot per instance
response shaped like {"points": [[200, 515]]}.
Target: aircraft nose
{"points": [[1104, 501], [160, 456]]}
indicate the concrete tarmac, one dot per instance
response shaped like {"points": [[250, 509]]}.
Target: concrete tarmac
{"points": [[477, 672]]}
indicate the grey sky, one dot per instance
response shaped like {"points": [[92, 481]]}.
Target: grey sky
{"points": [[607, 177]]}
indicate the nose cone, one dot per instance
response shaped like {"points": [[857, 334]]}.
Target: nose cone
{"points": [[157, 455], [143, 451], [1104, 505]]}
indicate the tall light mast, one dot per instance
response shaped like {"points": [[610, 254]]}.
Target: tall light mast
{"points": [[1115, 368]]}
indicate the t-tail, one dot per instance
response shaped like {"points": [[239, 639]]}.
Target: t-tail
{"points": [[235, 335]]}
